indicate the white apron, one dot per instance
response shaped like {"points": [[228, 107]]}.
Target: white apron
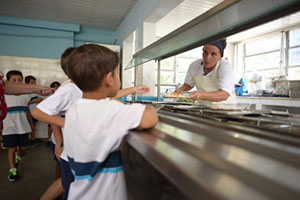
{"points": [[208, 84]]}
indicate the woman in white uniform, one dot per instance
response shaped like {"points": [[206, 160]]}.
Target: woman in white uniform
{"points": [[212, 76]]}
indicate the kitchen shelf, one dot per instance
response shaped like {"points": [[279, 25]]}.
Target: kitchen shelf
{"points": [[225, 19]]}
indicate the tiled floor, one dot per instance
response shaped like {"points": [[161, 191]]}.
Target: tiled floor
{"points": [[37, 171]]}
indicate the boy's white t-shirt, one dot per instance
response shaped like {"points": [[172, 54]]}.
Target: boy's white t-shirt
{"points": [[93, 132], [16, 121], [32, 98], [59, 102]]}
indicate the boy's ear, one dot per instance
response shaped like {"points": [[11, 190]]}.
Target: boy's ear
{"points": [[108, 79]]}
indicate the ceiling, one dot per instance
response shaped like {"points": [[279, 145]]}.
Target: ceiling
{"points": [[183, 13], [97, 14], [108, 14]]}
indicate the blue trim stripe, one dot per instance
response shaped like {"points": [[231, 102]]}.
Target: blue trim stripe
{"points": [[112, 164], [16, 109], [104, 170]]}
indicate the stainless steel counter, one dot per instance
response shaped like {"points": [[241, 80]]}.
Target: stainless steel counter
{"points": [[206, 159]]}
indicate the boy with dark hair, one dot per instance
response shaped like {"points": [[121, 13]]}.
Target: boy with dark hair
{"points": [[58, 104], [15, 125], [96, 125], [34, 100]]}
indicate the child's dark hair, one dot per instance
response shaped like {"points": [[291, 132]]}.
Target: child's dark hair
{"points": [[13, 73], [55, 84], [90, 63], [29, 78], [64, 59]]}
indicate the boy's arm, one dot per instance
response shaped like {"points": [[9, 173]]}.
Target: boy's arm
{"points": [[21, 88], [149, 118], [29, 118], [43, 117], [141, 89], [58, 139], [35, 101]]}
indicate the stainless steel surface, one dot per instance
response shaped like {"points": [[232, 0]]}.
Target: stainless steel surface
{"points": [[210, 159], [225, 19]]}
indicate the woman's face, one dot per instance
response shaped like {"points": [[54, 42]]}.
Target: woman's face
{"points": [[211, 56]]}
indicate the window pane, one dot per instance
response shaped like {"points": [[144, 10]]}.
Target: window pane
{"points": [[294, 56], [294, 37], [165, 89], [265, 44], [264, 61], [180, 78], [167, 63], [197, 52], [294, 73], [184, 63], [165, 77]]}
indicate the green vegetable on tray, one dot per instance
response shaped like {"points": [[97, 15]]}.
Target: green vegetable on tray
{"points": [[189, 101], [185, 100]]}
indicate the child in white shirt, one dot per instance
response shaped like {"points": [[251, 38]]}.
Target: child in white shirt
{"points": [[95, 125], [57, 105]]}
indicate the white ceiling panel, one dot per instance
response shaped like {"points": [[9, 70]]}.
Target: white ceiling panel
{"points": [[183, 13], [98, 14]]}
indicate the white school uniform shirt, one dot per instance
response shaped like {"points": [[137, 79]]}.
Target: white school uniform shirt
{"points": [[16, 121], [93, 132], [32, 98], [59, 102], [224, 74]]}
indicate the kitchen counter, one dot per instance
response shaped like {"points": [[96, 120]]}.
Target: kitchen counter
{"points": [[260, 103], [207, 159]]}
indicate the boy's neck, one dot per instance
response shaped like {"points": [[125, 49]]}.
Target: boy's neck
{"points": [[96, 94]]}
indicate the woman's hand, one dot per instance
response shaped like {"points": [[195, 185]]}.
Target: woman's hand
{"points": [[196, 95], [178, 91]]}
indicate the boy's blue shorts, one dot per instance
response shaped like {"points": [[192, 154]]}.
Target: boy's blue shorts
{"points": [[15, 140], [53, 152], [67, 177]]}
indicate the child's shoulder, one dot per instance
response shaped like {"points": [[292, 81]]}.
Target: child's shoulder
{"points": [[68, 86]]}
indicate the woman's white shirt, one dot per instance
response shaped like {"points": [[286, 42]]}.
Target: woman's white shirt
{"points": [[224, 74]]}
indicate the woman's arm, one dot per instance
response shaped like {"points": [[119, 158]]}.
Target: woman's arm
{"points": [[184, 87], [209, 96], [21, 88]]}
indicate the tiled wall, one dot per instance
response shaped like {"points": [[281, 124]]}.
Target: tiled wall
{"points": [[44, 70]]}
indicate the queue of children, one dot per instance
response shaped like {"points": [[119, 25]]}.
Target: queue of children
{"points": [[88, 124]]}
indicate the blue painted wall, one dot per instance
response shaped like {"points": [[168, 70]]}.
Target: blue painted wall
{"points": [[134, 20], [45, 39]]}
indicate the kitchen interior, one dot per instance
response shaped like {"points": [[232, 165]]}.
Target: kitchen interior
{"points": [[250, 150]]}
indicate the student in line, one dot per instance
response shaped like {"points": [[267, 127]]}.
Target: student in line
{"points": [[55, 106], [15, 126], [96, 125], [34, 100]]}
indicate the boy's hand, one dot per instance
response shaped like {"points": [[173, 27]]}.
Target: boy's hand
{"points": [[45, 91], [142, 89], [58, 151]]}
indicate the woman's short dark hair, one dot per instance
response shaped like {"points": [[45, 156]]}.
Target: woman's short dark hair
{"points": [[90, 63], [13, 73]]}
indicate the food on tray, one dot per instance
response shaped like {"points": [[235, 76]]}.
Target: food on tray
{"points": [[175, 95]]}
